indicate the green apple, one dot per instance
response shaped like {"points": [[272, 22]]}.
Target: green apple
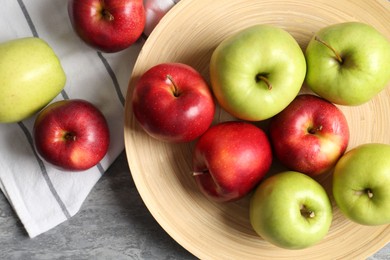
{"points": [[30, 77], [348, 63], [290, 210], [361, 184], [257, 72]]}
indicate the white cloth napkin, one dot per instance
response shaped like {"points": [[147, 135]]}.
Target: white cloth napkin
{"points": [[41, 195]]}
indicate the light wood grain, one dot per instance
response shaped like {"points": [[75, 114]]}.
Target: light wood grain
{"points": [[161, 171]]}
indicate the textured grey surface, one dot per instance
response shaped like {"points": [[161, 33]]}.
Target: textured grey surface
{"points": [[113, 223]]}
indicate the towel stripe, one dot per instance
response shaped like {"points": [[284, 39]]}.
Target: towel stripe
{"points": [[28, 18], [27, 133], [113, 78], [100, 168], [120, 96], [44, 171]]}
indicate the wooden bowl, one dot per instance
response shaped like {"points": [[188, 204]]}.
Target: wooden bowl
{"points": [[162, 172]]}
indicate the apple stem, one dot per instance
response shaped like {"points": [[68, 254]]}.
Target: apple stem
{"points": [[70, 137], [260, 77], [338, 56], [313, 130], [305, 212], [107, 15], [369, 193], [197, 173], [175, 88]]}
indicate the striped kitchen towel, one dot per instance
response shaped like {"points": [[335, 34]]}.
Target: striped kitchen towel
{"points": [[43, 196]]}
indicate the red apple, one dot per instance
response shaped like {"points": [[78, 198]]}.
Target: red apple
{"points": [[230, 159], [109, 25], [173, 103], [71, 134], [309, 135]]}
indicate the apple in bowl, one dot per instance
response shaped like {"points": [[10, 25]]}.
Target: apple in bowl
{"points": [[348, 63], [230, 159], [173, 103], [309, 135], [291, 210], [71, 134], [361, 182], [257, 72]]}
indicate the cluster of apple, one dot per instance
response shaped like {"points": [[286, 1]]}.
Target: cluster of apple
{"points": [[256, 75], [71, 134]]}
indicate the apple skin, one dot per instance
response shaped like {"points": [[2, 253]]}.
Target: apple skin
{"points": [[109, 25], [361, 182], [71, 134], [31, 75], [309, 135], [364, 70], [230, 159], [257, 72], [173, 103], [290, 210]]}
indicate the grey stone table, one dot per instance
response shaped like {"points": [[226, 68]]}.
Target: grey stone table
{"points": [[113, 223]]}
